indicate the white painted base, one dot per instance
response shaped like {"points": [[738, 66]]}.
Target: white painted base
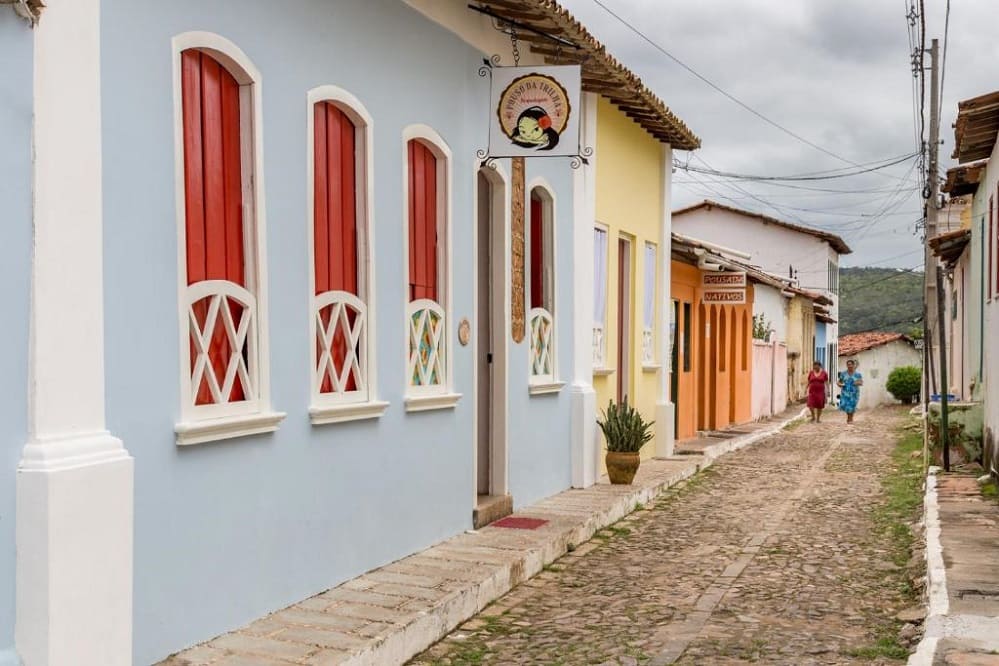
{"points": [[74, 553], [583, 434], [665, 437]]}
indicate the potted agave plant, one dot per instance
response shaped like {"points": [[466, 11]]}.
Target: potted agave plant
{"points": [[626, 433]]}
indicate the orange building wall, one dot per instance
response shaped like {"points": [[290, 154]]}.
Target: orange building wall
{"points": [[716, 390]]}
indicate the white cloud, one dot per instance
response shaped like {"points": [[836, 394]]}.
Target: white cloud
{"points": [[836, 72]]}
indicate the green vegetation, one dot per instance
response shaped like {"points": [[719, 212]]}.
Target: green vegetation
{"points": [[904, 383], [892, 517], [761, 328], [880, 299], [624, 428], [886, 646], [903, 496]]}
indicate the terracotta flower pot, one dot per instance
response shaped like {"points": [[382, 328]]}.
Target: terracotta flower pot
{"points": [[622, 466]]}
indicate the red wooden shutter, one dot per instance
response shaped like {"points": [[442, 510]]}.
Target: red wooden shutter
{"points": [[213, 191], [334, 218], [422, 222], [537, 253]]}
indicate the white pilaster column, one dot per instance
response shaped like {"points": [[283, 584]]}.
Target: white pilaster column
{"points": [[665, 406], [583, 398], [74, 482]]}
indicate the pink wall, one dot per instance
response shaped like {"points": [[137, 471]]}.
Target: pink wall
{"points": [[769, 394]]}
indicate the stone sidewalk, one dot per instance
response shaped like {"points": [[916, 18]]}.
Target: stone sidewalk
{"points": [[391, 614], [962, 553]]}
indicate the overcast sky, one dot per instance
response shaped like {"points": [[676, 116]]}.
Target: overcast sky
{"points": [[833, 71]]}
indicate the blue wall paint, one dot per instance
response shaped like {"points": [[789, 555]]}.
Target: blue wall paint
{"points": [[226, 532], [15, 289]]}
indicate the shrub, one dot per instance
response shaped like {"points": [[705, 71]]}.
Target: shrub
{"points": [[624, 428], [904, 382]]}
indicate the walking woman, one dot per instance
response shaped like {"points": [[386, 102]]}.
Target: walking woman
{"points": [[817, 379], [849, 389]]}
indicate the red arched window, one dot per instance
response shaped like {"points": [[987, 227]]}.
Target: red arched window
{"points": [[340, 362], [213, 201]]}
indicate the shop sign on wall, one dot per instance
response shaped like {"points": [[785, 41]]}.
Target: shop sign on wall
{"points": [[723, 288]]}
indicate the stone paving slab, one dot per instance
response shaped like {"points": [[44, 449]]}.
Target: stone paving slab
{"points": [[388, 615], [962, 551]]}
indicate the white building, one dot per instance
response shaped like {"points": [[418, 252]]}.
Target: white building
{"points": [[877, 354], [809, 257]]}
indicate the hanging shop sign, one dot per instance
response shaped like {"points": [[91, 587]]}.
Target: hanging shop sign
{"points": [[723, 280], [534, 111]]}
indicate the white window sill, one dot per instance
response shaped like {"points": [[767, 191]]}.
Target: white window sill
{"points": [[426, 403], [545, 388], [602, 372], [227, 427], [651, 367], [357, 411]]}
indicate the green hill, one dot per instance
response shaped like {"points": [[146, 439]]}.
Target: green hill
{"points": [[880, 299]]}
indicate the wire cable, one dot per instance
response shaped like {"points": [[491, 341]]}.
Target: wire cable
{"points": [[718, 88]]}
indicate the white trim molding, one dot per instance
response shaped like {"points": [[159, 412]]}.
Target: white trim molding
{"points": [[583, 410], [665, 406], [74, 488], [342, 405], [223, 419], [417, 395]]}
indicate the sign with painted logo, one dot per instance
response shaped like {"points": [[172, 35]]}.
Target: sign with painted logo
{"points": [[724, 296], [536, 111], [720, 280]]}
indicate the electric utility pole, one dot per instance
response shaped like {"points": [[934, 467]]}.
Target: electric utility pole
{"points": [[934, 304]]}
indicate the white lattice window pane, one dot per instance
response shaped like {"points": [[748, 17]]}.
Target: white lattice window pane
{"points": [[542, 344], [222, 334], [341, 359], [426, 345], [599, 277], [648, 347], [598, 346]]}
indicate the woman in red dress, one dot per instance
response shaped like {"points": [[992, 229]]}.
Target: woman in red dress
{"points": [[817, 379]]}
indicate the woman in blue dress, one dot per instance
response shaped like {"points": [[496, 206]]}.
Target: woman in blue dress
{"points": [[849, 389]]}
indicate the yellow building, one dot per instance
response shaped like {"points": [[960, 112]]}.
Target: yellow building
{"points": [[632, 190]]}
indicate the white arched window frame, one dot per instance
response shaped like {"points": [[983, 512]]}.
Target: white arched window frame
{"points": [[541, 321], [362, 403], [423, 314], [601, 234], [224, 420], [650, 271]]}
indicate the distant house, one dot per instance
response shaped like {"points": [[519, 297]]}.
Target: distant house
{"points": [[877, 354], [808, 257]]}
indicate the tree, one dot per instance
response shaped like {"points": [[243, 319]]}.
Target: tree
{"points": [[904, 382]]}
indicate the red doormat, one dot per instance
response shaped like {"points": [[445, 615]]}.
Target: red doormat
{"points": [[518, 523]]}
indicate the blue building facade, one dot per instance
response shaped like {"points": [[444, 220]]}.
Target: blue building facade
{"points": [[175, 460]]}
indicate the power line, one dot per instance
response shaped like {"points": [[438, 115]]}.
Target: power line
{"points": [[794, 178], [943, 64], [718, 88]]}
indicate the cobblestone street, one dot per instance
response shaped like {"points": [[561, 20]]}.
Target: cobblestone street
{"points": [[776, 554]]}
